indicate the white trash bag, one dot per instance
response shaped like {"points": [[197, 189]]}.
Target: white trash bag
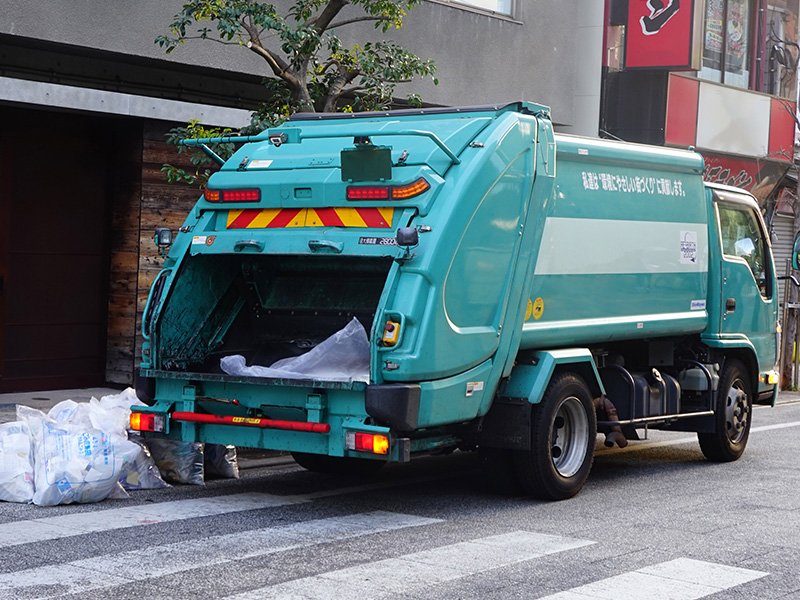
{"points": [[74, 462], [16, 468], [344, 356]]}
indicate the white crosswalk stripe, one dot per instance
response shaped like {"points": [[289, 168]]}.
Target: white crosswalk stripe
{"points": [[413, 572], [155, 561], [679, 579], [52, 528]]}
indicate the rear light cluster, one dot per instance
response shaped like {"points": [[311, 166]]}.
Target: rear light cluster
{"points": [[243, 195], [366, 442], [148, 422], [387, 192]]}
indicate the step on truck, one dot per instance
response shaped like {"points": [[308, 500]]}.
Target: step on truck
{"points": [[512, 291]]}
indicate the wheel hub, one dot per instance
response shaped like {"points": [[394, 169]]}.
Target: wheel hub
{"points": [[736, 412], [569, 438]]}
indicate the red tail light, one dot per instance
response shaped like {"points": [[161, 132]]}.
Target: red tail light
{"points": [[367, 442], [385, 192], [243, 195], [147, 422]]}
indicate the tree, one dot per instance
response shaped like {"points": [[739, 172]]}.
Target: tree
{"points": [[309, 68]]}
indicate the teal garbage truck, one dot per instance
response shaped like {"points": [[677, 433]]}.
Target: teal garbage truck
{"points": [[358, 289]]}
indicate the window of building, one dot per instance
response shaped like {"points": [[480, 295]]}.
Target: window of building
{"points": [[498, 6], [726, 42], [752, 44], [776, 72]]}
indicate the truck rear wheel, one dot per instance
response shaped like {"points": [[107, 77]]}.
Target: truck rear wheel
{"points": [[563, 432], [320, 463], [734, 407]]}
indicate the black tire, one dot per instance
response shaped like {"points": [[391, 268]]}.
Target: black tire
{"points": [[563, 432], [734, 409], [320, 463]]}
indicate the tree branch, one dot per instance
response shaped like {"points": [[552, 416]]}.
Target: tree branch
{"points": [[357, 20], [251, 29], [210, 39], [278, 66], [323, 21]]}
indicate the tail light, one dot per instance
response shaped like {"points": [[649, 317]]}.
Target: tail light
{"points": [[148, 422], [387, 192], [235, 195], [366, 442]]}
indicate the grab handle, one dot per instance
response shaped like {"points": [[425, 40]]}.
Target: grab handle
{"points": [[248, 245], [325, 246]]}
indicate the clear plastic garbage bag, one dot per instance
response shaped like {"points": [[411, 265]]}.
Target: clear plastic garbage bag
{"points": [[142, 473], [178, 461], [221, 461], [73, 462], [16, 466], [344, 356]]}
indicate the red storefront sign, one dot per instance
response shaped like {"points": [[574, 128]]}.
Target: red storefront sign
{"points": [[663, 33], [757, 177]]}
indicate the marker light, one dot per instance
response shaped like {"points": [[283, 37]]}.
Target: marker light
{"points": [[391, 333], [410, 190], [148, 422], [241, 195], [385, 192], [367, 442], [771, 378]]}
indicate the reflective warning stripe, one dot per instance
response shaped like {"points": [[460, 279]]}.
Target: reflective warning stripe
{"points": [[309, 217]]}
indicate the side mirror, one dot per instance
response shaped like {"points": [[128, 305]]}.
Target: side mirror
{"points": [[163, 239], [796, 253]]}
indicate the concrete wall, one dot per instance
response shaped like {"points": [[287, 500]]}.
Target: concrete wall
{"points": [[481, 58]]}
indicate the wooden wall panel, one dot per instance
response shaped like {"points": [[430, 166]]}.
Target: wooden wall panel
{"points": [[161, 205], [126, 195]]}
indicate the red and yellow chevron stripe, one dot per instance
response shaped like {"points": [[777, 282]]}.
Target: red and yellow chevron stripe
{"points": [[253, 218]]}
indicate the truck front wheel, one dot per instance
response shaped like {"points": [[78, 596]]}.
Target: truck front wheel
{"points": [[563, 432], [732, 419]]}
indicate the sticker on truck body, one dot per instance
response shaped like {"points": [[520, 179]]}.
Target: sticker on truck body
{"points": [[688, 247], [474, 386], [538, 308], [377, 241], [698, 305], [259, 164]]}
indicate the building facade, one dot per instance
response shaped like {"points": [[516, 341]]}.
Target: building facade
{"points": [[86, 98], [716, 75]]}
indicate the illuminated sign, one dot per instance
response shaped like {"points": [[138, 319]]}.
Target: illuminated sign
{"points": [[664, 34]]}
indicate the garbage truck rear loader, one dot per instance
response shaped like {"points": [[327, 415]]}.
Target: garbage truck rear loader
{"points": [[520, 291]]}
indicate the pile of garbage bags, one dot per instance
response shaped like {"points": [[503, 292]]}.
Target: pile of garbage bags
{"points": [[83, 452]]}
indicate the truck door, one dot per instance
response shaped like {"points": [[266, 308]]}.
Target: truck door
{"points": [[748, 302]]}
